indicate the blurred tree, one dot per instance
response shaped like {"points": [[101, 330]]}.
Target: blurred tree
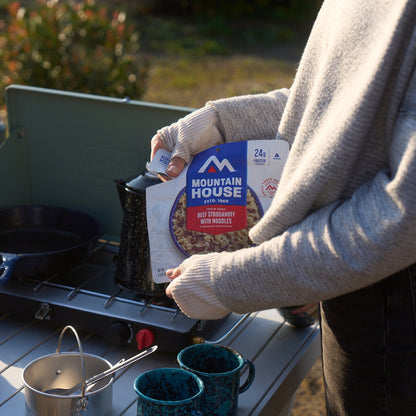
{"points": [[71, 45]]}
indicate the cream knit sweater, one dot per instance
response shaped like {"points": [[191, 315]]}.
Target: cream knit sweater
{"points": [[344, 215]]}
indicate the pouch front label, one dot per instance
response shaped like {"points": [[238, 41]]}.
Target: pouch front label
{"points": [[216, 189]]}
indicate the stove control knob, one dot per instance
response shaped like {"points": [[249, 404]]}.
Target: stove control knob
{"points": [[144, 338], [118, 333]]}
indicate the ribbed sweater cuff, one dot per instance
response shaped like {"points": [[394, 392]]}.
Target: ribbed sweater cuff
{"points": [[192, 134], [193, 290]]}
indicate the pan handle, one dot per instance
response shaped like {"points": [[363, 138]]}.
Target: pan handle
{"points": [[6, 266]]}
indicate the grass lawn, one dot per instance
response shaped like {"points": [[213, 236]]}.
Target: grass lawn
{"points": [[191, 82], [191, 65]]}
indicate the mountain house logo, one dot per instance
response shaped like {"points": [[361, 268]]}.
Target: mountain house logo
{"points": [[213, 165], [216, 190], [269, 187]]}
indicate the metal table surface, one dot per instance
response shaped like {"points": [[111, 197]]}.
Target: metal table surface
{"points": [[282, 355]]}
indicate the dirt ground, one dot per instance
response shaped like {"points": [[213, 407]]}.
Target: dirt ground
{"points": [[310, 398]]}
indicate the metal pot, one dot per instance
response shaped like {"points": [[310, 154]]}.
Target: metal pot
{"points": [[133, 262], [63, 370]]}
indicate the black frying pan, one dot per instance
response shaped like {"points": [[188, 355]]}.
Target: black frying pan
{"points": [[41, 240]]}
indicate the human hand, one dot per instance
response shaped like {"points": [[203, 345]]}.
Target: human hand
{"points": [[176, 163], [172, 274], [187, 137], [192, 288], [177, 271]]}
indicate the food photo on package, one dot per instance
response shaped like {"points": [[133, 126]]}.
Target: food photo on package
{"points": [[211, 206]]}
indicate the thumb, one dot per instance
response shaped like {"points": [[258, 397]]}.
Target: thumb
{"points": [[175, 166]]}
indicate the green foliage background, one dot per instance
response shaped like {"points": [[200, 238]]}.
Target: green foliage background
{"points": [[73, 46], [107, 47]]}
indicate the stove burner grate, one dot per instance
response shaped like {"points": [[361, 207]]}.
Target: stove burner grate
{"points": [[88, 298]]}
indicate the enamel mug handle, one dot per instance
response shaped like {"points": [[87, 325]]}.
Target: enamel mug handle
{"points": [[250, 377]]}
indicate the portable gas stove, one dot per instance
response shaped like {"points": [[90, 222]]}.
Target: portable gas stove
{"points": [[66, 150], [87, 298]]}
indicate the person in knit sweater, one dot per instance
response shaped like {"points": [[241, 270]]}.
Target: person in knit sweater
{"points": [[341, 229]]}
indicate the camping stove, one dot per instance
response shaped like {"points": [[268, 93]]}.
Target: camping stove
{"points": [[88, 298], [66, 150]]}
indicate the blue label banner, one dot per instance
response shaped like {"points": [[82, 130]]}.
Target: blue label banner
{"points": [[216, 189]]}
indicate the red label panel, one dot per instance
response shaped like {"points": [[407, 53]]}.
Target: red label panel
{"points": [[216, 219]]}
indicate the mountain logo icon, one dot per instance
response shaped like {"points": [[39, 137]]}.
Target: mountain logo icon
{"points": [[269, 187], [213, 165]]}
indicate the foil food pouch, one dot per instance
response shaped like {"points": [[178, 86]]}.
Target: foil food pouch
{"points": [[211, 206]]}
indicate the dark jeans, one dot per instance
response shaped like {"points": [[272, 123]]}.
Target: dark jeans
{"points": [[369, 349]]}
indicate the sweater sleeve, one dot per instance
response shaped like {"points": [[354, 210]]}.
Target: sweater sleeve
{"points": [[248, 117], [339, 248], [193, 290], [192, 134], [251, 117]]}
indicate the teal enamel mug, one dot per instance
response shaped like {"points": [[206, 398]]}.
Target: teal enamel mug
{"points": [[168, 392], [219, 367]]}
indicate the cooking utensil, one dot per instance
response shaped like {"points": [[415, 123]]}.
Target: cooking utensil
{"points": [[38, 240], [93, 380], [133, 262], [64, 370]]}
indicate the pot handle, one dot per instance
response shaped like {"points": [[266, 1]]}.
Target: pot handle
{"points": [[81, 352], [6, 266]]}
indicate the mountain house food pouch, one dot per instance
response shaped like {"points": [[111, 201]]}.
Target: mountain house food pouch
{"points": [[213, 203]]}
